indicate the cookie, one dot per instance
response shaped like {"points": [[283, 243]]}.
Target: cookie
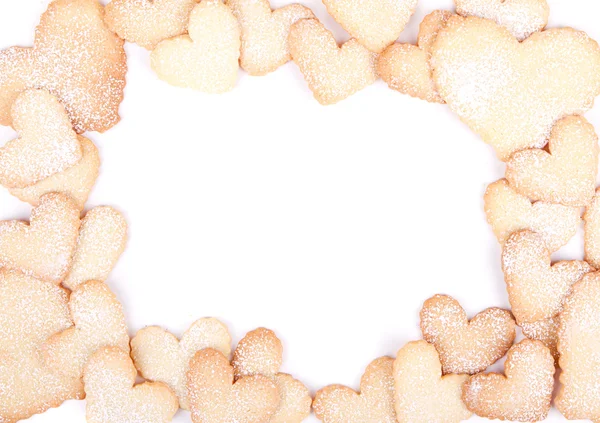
{"points": [[374, 403], [422, 393], [214, 397], [160, 356], [375, 24], [566, 173], [545, 331], [111, 396], [523, 395], [260, 352], [207, 58], [466, 346], [507, 212], [265, 33], [536, 287], [86, 72], [43, 248], [592, 231], [332, 73], [512, 93]]}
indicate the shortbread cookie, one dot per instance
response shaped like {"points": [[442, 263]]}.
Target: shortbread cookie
{"points": [[161, 357], [265, 33], [43, 248], [523, 395], [374, 403], [86, 72], [111, 396], [47, 143], [148, 22], [466, 346], [214, 397], [537, 288], [566, 173], [592, 231], [545, 331], [375, 24], [521, 17], [207, 58], [98, 322], [508, 211], [260, 352], [512, 93], [422, 393], [332, 72]]}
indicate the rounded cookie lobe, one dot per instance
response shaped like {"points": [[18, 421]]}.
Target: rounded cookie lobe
{"points": [[592, 231]]}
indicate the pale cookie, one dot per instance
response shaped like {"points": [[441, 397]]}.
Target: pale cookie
{"points": [[161, 357], [207, 58], [374, 403], [592, 231], [148, 22], [405, 67], [260, 352], [507, 212], [512, 93], [214, 397], [86, 72], [566, 173], [47, 143], [466, 346], [536, 287], [375, 24], [43, 248], [545, 331], [112, 396], [523, 395], [265, 33], [98, 322], [521, 17], [331, 72], [30, 311], [102, 239]]}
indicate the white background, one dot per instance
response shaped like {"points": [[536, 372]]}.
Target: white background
{"points": [[330, 225]]}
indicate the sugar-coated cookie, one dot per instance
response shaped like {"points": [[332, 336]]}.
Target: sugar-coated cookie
{"points": [[214, 397], [466, 346], [566, 173], [592, 231], [265, 33], [207, 58], [545, 331], [521, 17], [148, 22], [43, 248], [536, 287], [161, 357], [512, 93], [102, 239], [374, 403], [422, 393], [375, 24], [507, 212], [86, 72], [523, 395], [331, 72], [260, 352], [112, 396]]}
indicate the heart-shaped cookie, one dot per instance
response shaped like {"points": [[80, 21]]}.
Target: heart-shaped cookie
{"points": [[545, 331], [207, 59], [161, 357], [111, 396], [523, 395], [375, 24], [537, 288], [43, 248], [374, 403], [507, 212], [214, 397], [512, 93], [466, 346], [592, 231], [332, 72]]}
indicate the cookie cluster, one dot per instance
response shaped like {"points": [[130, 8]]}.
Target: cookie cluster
{"points": [[521, 88]]}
